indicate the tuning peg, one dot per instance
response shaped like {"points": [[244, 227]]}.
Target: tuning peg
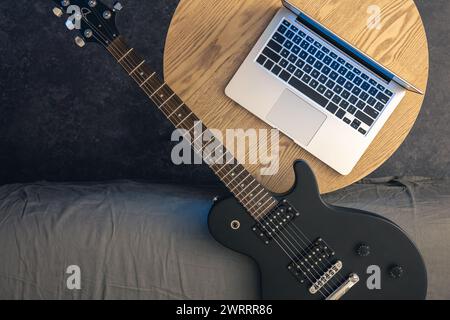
{"points": [[58, 12], [79, 41], [117, 6]]}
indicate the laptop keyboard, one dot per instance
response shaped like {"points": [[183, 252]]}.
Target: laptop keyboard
{"points": [[325, 75]]}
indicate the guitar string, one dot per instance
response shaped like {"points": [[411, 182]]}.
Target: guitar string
{"points": [[286, 245], [158, 101]]}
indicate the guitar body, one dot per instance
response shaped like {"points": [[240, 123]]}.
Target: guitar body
{"points": [[363, 242]]}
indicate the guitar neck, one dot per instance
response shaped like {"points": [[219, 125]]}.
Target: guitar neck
{"points": [[249, 192]]}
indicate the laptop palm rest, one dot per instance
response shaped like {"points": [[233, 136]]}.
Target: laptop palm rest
{"points": [[296, 117]]}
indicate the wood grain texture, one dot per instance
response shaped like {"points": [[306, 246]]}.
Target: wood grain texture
{"points": [[209, 39]]}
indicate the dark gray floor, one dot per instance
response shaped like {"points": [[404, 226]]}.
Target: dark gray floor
{"points": [[71, 114]]}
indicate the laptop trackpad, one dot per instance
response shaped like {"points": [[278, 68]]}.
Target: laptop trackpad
{"points": [[296, 117]]}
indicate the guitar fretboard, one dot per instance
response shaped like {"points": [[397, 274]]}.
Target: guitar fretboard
{"points": [[247, 190]]}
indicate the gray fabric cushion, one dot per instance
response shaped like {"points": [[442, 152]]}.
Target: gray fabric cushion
{"points": [[141, 241]]}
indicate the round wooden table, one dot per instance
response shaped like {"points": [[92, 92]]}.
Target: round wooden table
{"points": [[209, 39]]}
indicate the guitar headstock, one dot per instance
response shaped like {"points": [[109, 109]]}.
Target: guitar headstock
{"points": [[94, 21]]}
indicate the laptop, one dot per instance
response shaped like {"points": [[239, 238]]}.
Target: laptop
{"points": [[322, 92]]}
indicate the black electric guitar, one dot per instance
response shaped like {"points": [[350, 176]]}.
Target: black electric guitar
{"points": [[305, 248]]}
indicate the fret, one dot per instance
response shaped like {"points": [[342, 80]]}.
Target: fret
{"points": [[247, 190], [143, 83], [126, 54]]}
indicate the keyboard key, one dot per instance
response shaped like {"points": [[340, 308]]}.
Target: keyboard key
{"points": [[373, 82], [307, 68], [315, 74], [276, 70], [371, 101], [364, 118], [373, 91], [327, 60], [351, 110], [261, 59], [290, 34], [350, 75], [321, 89], [355, 124], [304, 44], [282, 29], [269, 64], [338, 89], [365, 76], [313, 84], [300, 63], [275, 46], [326, 70], [278, 38], [365, 86], [302, 34], [312, 50], [309, 39], [347, 120], [291, 68], [285, 53], [341, 61], [332, 107], [322, 79], [360, 105], [356, 91], [325, 49], [357, 81], [383, 98], [389, 93], [379, 106], [306, 78], [284, 75], [286, 23], [381, 88], [341, 80], [357, 71], [333, 75], [336, 99], [329, 94], [310, 93], [335, 65], [345, 94], [296, 49], [294, 28], [311, 60], [363, 96], [361, 130], [284, 63], [333, 55], [288, 44], [320, 55], [348, 66], [340, 113], [317, 44], [344, 104], [348, 85], [292, 58], [297, 39], [271, 54], [353, 99], [303, 55], [343, 70], [299, 73], [318, 65], [330, 84], [371, 112]]}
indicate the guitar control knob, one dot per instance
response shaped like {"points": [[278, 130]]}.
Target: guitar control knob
{"points": [[396, 272], [58, 12], [79, 41], [363, 250]]}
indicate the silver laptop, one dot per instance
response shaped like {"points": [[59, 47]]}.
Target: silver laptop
{"points": [[316, 88]]}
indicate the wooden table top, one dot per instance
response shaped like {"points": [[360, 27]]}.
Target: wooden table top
{"points": [[209, 39]]}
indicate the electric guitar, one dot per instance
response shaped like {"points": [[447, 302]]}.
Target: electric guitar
{"points": [[305, 248]]}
